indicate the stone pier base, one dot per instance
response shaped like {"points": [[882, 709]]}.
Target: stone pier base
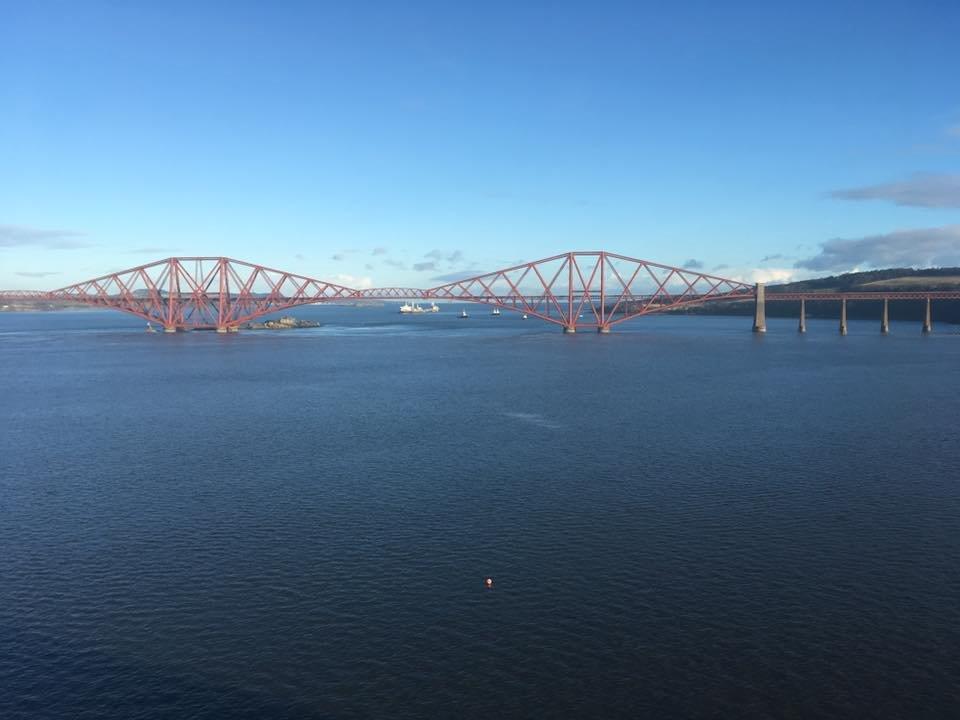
{"points": [[760, 310]]}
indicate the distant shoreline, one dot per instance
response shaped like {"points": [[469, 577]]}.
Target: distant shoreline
{"points": [[879, 281]]}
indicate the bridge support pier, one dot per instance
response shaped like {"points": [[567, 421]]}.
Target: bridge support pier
{"points": [[802, 327], [760, 310], [927, 322], [169, 328], [222, 329], [569, 329], [843, 316], [885, 317], [604, 329]]}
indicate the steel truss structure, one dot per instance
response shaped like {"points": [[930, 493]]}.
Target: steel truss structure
{"points": [[594, 289], [575, 290]]}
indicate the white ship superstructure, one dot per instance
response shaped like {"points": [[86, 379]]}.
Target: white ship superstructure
{"points": [[416, 308]]}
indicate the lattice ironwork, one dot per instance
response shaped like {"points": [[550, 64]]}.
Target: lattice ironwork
{"points": [[594, 289], [577, 289]]}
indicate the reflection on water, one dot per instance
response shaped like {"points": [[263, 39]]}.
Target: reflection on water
{"points": [[683, 519]]}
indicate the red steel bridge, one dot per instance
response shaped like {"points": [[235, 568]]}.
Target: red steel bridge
{"points": [[575, 290]]}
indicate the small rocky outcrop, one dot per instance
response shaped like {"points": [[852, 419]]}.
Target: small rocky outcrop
{"points": [[285, 323]]}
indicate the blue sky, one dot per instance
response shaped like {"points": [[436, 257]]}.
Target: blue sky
{"points": [[395, 143]]}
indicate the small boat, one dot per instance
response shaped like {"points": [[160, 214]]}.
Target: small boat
{"points": [[524, 317], [496, 311], [150, 328], [463, 314]]}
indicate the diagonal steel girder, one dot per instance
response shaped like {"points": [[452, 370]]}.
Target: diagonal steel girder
{"points": [[575, 289]]}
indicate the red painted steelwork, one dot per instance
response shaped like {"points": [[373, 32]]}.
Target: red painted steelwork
{"points": [[195, 292], [593, 289], [577, 289]]}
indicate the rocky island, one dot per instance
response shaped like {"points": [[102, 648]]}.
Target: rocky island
{"points": [[285, 323]]}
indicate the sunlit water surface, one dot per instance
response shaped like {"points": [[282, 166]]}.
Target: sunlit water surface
{"points": [[682, 519]]}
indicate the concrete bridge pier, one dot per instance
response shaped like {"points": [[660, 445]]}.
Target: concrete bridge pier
{"points": [[760, 310], [885, 317], [927, 322], [169, 328], [569, 329], [222, 329], [843, 316], [604, 329], [802, 327]]}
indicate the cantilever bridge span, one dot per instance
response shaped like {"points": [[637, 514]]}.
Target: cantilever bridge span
{"points": [[575, 290]]}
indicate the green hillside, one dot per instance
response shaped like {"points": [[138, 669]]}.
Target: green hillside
{"points": [[889, 280]]}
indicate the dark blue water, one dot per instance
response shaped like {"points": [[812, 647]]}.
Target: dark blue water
{"points": [[682, 520]]}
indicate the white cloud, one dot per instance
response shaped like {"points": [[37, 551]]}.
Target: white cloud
{"points": [[18, 235], [761, 274], [353, 282], [917, 247], [919, 190], [771, 275]]}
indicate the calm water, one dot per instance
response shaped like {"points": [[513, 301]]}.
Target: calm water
{"points": [[682, 520]]}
